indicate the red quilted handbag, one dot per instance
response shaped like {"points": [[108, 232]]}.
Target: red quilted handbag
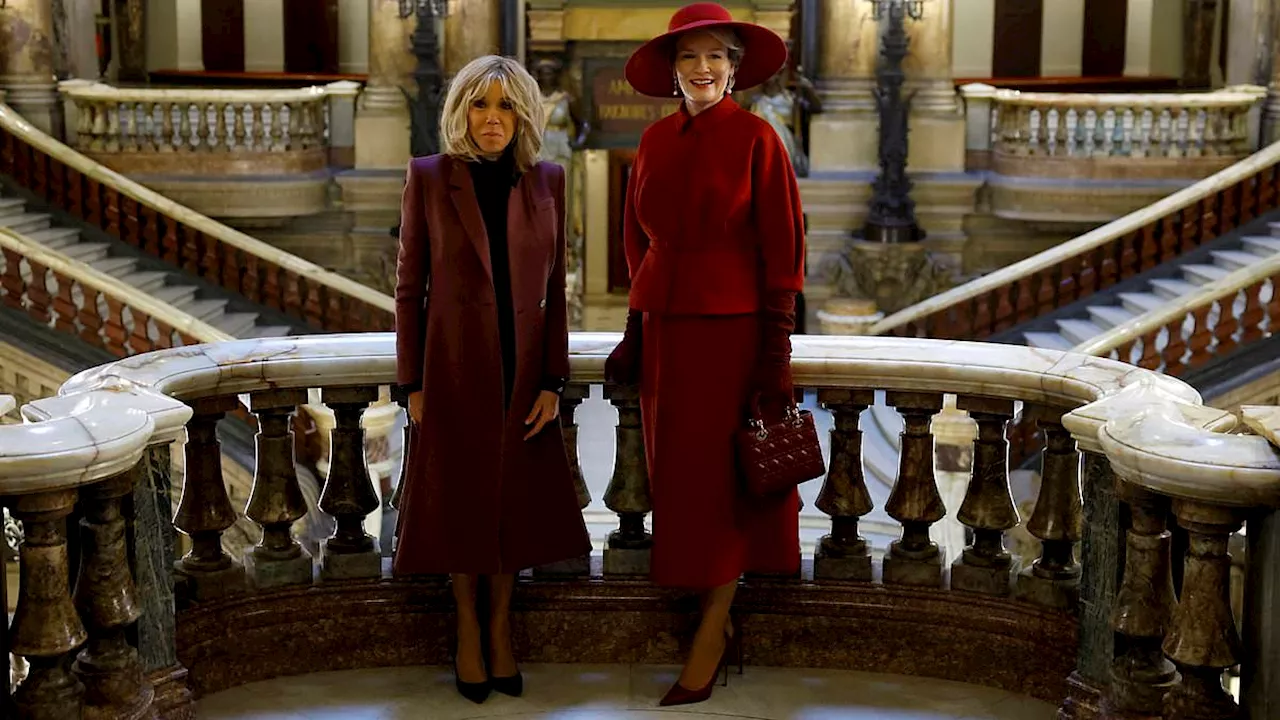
{"points": [[776, 457]]}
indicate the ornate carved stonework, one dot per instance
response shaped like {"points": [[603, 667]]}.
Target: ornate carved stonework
{"points": [[892, 275]]}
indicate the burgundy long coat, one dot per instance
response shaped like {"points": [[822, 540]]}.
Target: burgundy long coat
{"points": [[478, 497]]}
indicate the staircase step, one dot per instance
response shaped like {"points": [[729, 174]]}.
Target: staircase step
{"points": [[1141, 303], [56, 237], [1233, 259], [116, 266], [1263, 246], [1078, 331], [1047, 341], [1109, 316], [26, 222], [1170, 289], [205, 310], [178, 296], [264, 331], [1275, 228], [148, 281], [235, 323], [12, 206], [89, 252], [1203, 274]]}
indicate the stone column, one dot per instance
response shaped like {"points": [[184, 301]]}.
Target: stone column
{"points": [[937, 121], [131, 25], [27, 61], [78, 37], [843, 136], [473, 28], [382, 118]]}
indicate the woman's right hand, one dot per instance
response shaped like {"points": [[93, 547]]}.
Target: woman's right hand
{"points": [[623, 365], [415, 406]]}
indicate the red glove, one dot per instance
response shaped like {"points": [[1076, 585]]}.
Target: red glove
{"points": [[772, 376], [623, 365]]}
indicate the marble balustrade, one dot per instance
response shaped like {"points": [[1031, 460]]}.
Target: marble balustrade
{"points": [[203, 132], [1125, 449]]}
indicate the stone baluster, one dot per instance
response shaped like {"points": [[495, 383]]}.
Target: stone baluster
{"points": [[401, 398], [108, 603], [988, 507], [1141, 675], [276, 501], [843, 554], [627, 552], [914, 559], [569, 402], [1203, 641], [348, 494], [46, 627], [204, 510], [1053, 579]]}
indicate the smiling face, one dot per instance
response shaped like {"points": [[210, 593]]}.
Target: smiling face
{"points": [[491, 121], [703, 69]]}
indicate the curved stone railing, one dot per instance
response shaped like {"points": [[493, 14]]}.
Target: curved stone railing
{"points": [[162, 228], [1098, 259], [195, 131], [1118, 437], [71, 297], [1224, 315]]}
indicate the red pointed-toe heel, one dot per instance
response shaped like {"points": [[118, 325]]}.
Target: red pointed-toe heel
{"points": [[681, 695]]}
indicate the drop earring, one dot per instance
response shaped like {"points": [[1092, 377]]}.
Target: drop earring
{"points": [[676, 92], [729, 88]]}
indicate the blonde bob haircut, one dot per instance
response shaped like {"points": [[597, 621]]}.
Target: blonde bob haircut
{"points": [[521, 90]]}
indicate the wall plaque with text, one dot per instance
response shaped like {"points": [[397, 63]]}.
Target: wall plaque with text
{"points": [[619, 113]]}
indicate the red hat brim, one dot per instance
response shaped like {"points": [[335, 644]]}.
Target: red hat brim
{"points": [[649, 68]]}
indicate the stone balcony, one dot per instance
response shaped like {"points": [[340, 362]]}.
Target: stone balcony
{"points": [[1122, 607]]}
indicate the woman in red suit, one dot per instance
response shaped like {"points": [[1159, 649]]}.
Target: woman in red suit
{"points": [[715, 246], [482, 344]]}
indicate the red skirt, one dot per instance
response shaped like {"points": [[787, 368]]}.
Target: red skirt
{"points": [[693, 398]]}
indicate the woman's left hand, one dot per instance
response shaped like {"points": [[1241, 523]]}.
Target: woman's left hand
{"points": [[545, 409]]}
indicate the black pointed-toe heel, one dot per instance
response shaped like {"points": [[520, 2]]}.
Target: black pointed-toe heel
{"points": [[513, 685], [476, 692]]}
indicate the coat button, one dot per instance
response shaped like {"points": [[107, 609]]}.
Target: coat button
{"points": [[542, 303]]}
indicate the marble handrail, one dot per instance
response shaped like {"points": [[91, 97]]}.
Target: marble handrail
{"points": [[103, 92], [1171, 315], [13, 123], [1244, 96], [1134, 222], [1030, 375], [86, 277]]}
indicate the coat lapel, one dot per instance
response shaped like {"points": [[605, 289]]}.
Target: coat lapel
{"points": [[463, 193]]}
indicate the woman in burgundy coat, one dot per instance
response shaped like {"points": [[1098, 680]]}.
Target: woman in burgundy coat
{"points": [[715, 245], [482, 344]]}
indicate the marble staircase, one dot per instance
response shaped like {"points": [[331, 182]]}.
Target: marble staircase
{"points": [[1108, 314], [169, 285]]}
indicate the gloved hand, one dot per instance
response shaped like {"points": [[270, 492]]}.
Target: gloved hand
{"points": [[623, 365], [771, 379]]}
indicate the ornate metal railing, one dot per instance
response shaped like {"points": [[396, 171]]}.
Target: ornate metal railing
{"points": [[101, 197], [1098, 259], [1045, 625], [195, 131]]}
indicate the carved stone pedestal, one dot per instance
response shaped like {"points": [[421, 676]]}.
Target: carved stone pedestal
{"points": [[845, 316], [892, 276]]}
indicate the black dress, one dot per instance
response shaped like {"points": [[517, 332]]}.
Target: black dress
{"points": [[494, 181]]}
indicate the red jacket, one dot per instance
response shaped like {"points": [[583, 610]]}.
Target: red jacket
{"points": [[713, 215]]}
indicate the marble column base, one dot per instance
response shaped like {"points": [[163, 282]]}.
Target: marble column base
{"points": [[265, 574], [349, 566], [382, 138], [209, 586], [854, 568], [909, 571], [37, 102], [621, 561], [173, 698], [995, 581], [1059, 595]]}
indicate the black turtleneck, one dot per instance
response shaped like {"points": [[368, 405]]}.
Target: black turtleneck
{"points": [[493, 181]]}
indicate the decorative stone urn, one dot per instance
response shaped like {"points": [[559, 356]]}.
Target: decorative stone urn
{"points": [[847, 316]]}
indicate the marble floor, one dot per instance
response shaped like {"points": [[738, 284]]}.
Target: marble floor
{"points": [[618, 692]]}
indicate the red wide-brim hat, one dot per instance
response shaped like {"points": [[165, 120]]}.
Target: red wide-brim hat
{"points": [[650, 70]]}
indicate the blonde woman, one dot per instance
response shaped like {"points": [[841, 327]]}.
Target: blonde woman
{"points": [[482, 348]]}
